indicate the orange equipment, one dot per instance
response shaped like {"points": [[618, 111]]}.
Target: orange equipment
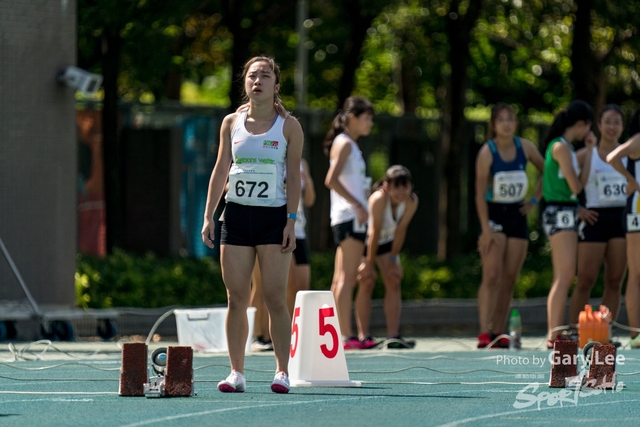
{"points": [[593, 326]]}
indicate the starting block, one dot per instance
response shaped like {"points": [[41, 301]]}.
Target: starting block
{"points": [[173, 369], [602, 367], [133, 371], [179, 376], [316, 353], [564, 362]]}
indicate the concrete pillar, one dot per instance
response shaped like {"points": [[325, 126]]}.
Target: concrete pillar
{"points": [[38, 150]]}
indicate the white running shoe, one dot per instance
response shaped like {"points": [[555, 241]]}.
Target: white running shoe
{"points": [[259, 345], [235, 383], [280, 383]]}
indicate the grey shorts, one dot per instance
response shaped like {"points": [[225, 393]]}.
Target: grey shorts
{"points": [[560, 217]]}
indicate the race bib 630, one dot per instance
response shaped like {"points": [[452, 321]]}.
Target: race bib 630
{"points": [[612, 188]]}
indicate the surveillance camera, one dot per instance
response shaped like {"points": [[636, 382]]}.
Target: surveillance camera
{"points": [[84, 81]]}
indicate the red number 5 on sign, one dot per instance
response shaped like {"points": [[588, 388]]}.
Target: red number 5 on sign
{"points": [[324, 328], [328, 328], [295, 330]]}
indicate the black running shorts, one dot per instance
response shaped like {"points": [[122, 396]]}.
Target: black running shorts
{"points": [[253, 225], [384, 248], [301, 252], [609, 226], [506, 218], [345, 229]]}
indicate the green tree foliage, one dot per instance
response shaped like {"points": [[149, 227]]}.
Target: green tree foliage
{"points": [[521, 50], [541, 54], [521, 55], [327, 37], [604, 51], [432, 58], [396, 72], [149, 35], [208, 55], [337, 31], [250, 21]]}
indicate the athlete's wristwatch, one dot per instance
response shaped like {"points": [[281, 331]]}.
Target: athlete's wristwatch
{"points": [[291, 216]]}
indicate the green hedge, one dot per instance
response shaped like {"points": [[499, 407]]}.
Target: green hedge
{"points": [[426, 277], [128, 280]]}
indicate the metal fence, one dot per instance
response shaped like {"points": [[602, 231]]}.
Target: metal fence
{"points": [[406, 140]]}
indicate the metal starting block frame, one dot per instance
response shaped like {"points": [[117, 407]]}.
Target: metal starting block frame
{"points": [[155, 387], [170, 373]]}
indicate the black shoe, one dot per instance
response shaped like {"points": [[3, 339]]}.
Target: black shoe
{"points": [[398, 342]]}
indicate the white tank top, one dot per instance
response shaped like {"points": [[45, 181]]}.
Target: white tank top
{"points": [[352, 179], [257, 174], [606, 187], [389, 222], [301, 220]]}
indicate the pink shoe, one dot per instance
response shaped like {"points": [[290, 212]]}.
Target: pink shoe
{"points": [[352, 343], [368, 342]]}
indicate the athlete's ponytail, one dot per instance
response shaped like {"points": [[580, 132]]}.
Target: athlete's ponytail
{"points": [[337, 127], [577, 110], [352, 105]]}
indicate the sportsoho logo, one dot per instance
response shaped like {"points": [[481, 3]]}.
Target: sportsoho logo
{"points": [[270, 144], [531, 395]]}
